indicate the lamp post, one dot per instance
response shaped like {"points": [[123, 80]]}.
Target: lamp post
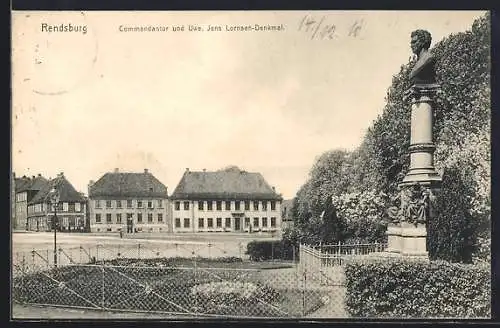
{"points": [[54, 202]]}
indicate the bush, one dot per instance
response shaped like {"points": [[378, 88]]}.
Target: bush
{"points": [[452, 232], [417, 289], [269, 250]]}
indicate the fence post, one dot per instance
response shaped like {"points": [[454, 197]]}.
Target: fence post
{"points": [[103, 278], [209, 247], [195, 281], [97, 253], [272, 251], [139, 251], [304, 294]]}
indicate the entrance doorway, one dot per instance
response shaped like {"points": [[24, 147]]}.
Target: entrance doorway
{"points": [[237, 224]]}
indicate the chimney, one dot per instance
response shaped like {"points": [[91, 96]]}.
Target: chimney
{"points": [[187, 169], [39, 175], [33, 177], [146, 171], [274, 189], [116, 170], [204, 170]]}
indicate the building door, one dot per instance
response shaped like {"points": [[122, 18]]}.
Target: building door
{"points": [[237, 224], [130, 224]]}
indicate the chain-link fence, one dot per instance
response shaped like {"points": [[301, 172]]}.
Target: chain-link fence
{"points": [[192, 288], [36, 260]]}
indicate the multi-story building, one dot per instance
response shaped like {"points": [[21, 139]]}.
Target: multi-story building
{"points": [[25, 190], [225, 200], [70, 212], [132, 202]]}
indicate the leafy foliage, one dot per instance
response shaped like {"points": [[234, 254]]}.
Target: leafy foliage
{"points": [[417, 289], [262, 250], [451, 233]]}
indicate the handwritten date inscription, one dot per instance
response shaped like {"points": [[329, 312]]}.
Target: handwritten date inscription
{"points": [[320, 28]]}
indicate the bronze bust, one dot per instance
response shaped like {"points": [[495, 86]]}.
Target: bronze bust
{"points": [[423, 72]]}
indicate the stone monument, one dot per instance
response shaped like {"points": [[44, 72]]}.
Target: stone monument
{"points": [[407, 233]]}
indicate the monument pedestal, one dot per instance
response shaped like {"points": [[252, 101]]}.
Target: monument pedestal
{"points": [[407, 240]]}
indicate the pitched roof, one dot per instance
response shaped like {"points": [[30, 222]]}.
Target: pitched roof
{"points": [[26, 183], [231, 183], [67, 192], [124, 184]]}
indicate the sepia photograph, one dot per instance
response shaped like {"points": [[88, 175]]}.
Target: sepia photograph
{"points": [[242, 165]]}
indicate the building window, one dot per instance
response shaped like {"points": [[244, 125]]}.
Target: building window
{"points": [[264, 205], [78, 207], [177, 206], [129, 203], [108, 204], [237, 205], [108, 218], [139, 217], [228, 222], [160, 203], [228, 205], [139, 204], [118, 218], [65, 207], [255, 205], [150, 217], [97, 203], [273, 222], [273, 205], [247, 222], [210, 222], [255, 222], [160, 217], [200, 205], [186, 206], [200, 223], [186, 223], [98, 218], [219, 222], [209, 205], [264, 222], [118, 204], [247, 205], [219, 205], [150, 204], [177, 222]]}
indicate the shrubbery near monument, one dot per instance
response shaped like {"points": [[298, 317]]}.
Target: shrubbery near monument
{"points": [[417, 289]]}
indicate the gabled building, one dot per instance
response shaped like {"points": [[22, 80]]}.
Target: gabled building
{"points": [[225, 200], [71, 212], [26, 188], [131, 202]]}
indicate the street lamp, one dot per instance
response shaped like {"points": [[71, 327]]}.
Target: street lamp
{"points": [[53, 198]]}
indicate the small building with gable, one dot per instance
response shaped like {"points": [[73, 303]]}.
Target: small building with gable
{"points": [[71, 211]]}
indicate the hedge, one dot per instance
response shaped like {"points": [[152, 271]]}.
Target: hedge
{"points": [[417, 289], [270, 250]]}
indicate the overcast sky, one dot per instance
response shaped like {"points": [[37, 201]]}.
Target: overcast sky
{"points": [[268, 102]]}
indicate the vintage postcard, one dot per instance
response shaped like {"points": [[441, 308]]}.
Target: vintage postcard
{"points": [[250, 164]]}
